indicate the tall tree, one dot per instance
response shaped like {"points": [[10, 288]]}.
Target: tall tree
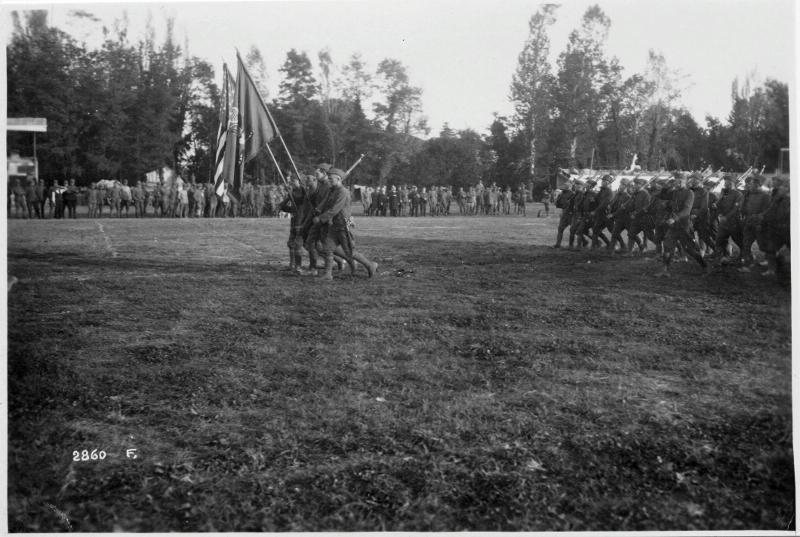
{"points": [[586, 80], [532, 85]]}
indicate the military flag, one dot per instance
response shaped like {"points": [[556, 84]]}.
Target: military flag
{"points": [[256, 122]]}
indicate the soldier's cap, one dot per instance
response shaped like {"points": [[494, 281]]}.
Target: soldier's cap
{"points": [[336, 171], [625, 181], [709, 182], [591, 181], [324, 166], [607, 177], [758, 178], [678, 175], [640, 180], [579, 182], [729, 177], [696, 176]]}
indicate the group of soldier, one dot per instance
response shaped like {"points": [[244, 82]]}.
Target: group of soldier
{"points": [[31, 199], [683, 215], [176, 198], [321, 224], [440, 200]]}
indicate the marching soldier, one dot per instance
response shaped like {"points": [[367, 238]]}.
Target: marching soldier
{"points": [[563, 202], [586, 214], [599, 215], [776, 224], [295, 205], [699, 215], [639, 217], [620, 210], [335, 217], [755, 204], [679, 230], [575, 212]]}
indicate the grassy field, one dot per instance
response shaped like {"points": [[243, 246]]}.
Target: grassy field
{"points": [[482, 381]]}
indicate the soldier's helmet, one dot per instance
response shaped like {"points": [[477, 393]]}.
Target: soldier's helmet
{"points": [[607, 178]]}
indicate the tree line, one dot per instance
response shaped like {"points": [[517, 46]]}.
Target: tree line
{"points": [[131, 106]]}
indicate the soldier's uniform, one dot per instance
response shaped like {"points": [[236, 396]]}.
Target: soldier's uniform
{"points": [[679, 230], [775, 224], [313, 231], [335, 216], [394, 202], [639, 219], [296, 205], [713, 220], [137, 194], [585, 212], [699, 214], [575, 204], [620, 210], [755, 204], [599, 215], [729, 214]]}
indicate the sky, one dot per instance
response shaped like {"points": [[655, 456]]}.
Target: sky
{"points": [[463, 53]]}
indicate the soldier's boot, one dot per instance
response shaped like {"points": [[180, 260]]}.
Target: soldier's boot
{"points": [[338, 260], [292, 260], [327, 273], [559, 238], [372, 267], [298, 262], [312, 263]]}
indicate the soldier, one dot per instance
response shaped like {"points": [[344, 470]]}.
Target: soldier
{"points": [[295, 204], [546, 201], [94, 195], [335, 216], [775, 225], [394, 201], [575, 204], [41, 193], [620, 210], [679, 230], [125, 197], [755, 204], [137, 197], [638, 216], [32, 198], [599, 216], [70, 198], [433, 206], [402, 193], [585, 211], [522, 196], [713, 217], [413, 198], [313, 231], [657, 213], [563, 202], [699, 214], [423, 201], [20, 203]]}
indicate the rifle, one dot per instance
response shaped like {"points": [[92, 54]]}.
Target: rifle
{"points": [[742, 178], [351, 168]]}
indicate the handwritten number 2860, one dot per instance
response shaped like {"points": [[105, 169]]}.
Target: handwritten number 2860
{"points": [[85, 455]]}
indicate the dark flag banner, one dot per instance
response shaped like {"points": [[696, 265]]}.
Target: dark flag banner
{"points": [[256, 123]]}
